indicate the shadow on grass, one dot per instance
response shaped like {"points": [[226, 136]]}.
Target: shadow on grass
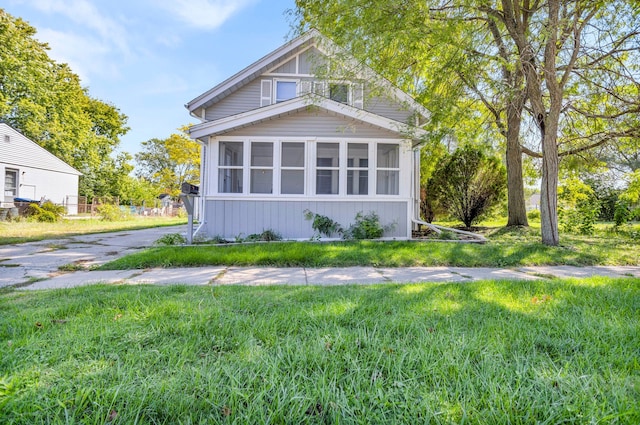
{"points": [[477, 352]]}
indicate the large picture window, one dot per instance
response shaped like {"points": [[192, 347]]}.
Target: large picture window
{"points": [[388, 169], [230, 167], [327, 168]]}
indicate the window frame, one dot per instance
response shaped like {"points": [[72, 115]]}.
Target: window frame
{"points": [[379, 169], [310, 168], [222, 167], [285, 80], [14, 189]]}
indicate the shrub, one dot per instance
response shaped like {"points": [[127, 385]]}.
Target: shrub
{"points": [[622, 213], [110, 212], [534, 215], [48, 212], [266, 236], [366, 227], [468, 184], [578, 207], [171, 239], [322, 225]]}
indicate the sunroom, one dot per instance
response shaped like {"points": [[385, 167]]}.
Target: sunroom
{"points": [[265, 168]]}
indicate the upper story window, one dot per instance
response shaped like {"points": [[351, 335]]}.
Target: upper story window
{"points": [[339, 93], [285, 90]]}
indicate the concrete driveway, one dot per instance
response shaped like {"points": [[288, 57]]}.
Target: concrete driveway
{"points": [[30, 262]]}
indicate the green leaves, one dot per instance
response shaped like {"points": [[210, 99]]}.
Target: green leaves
{"points": [[45, 101]]}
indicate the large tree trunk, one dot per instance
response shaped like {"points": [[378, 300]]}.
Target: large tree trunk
{"points": [[516, 206], [549, 185]]}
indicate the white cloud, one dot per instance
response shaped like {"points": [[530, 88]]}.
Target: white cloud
{"points": [[85, 56], [205, 14], [85, 14]]}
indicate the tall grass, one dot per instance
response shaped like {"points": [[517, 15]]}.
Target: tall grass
{"points": [[479, 353]]}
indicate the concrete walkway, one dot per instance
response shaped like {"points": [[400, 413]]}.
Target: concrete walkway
{"points": [[35, 266]]}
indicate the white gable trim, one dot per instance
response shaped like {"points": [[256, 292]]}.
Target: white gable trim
{"points": [[245, 119]]}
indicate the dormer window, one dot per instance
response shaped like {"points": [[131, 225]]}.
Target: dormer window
{"points": [[285, 90]]}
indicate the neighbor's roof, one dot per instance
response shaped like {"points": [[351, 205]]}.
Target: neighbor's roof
{"points": [[24, 152]]}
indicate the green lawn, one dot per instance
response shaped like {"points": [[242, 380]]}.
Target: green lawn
{"points": [[488, 352], [26, 231], [506, 248]]}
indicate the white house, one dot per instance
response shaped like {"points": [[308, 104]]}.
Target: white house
{"points": [[32, 172], [284, 135]]}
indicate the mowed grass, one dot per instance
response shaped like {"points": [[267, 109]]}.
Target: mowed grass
{"points": [[12, 232], [487, 352], [506, 248]]}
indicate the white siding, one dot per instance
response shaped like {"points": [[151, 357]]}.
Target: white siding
{"points": [[20, 151], [40, 174], [245, 99]]}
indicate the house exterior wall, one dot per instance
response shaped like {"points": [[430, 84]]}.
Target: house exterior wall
{"points": [[36, 183], [231, 218], [39, 173], [230, 214]]}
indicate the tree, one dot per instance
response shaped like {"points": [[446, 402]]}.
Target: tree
{"points": [[459, 68], [45, 101], [574, 63], [468, 183], [170, 162]]}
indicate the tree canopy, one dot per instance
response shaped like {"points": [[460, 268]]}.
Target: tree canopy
{"points": [[558, 77], [169, 162], [46, 102]]}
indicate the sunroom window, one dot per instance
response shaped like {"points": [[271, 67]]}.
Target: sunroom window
{"points": [[230, 167], [327, 168], [285, 90], [292, 168], [261, 167], [357, 169], [388, 169]]}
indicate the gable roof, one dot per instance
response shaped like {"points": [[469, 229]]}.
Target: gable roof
{"points": [[277, 110], [24, 152], [310, 38]]}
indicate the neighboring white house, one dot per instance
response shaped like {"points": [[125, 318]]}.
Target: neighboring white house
{"points": [[30, 171], [281, 137]]}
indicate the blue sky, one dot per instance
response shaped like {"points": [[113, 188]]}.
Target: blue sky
{"points": [[150, 57]]}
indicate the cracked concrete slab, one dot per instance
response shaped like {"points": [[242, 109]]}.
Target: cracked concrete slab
{"points": [[344, 276], [262, 276]]}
